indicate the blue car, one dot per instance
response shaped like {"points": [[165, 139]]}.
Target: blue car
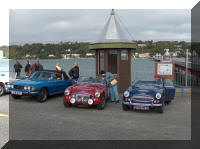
{"points": [[41, 84], [145, 95]]}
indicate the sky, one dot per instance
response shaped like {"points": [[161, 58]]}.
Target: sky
{"points": [[82, 25]]}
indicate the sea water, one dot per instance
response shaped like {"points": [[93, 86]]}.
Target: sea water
{"points": [[140, 68]]}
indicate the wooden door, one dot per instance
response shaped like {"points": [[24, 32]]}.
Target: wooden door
{"points": [[124, 73]]}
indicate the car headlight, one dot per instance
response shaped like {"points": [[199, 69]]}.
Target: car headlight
{"points": [[90, 101], [72, 100], [158, 95], [67, 92], [25, 87], [97, 94], [126, 93]]}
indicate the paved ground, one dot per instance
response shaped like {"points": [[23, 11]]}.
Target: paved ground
{"points": [[31, 120], [4, 120]]}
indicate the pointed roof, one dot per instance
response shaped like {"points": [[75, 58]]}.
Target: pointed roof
{"points": [[113, 31]]}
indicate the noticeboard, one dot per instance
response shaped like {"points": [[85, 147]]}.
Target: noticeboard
{"points": [[164, 69]]}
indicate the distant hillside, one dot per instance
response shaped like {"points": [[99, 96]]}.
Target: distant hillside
{"points": [[43, 51]]}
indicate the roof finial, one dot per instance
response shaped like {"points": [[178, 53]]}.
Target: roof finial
{"points": [[112, 12]]}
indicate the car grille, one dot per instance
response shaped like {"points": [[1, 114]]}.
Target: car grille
{"points": [[83, 97], [18, 87], [142, 98]]}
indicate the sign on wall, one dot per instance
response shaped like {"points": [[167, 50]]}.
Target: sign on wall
{"points": [[164, 69]]}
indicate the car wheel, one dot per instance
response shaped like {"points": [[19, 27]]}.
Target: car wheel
{"points": [[16, 96], [42, 96], [125, 107], [66, 104], [2, 89], [102, 104]]}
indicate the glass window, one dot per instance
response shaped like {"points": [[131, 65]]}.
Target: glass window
{"points": [[124, 55], [112, 61], [101, 60]]}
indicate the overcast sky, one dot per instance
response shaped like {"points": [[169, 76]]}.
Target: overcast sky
{"points": [[53, 26]]}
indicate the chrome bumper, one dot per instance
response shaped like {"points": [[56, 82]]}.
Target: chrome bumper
{"points": [[144, 104]]}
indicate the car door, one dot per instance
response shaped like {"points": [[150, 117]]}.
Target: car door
{"points": [[169, 90], [62, 83], [51, 84]]}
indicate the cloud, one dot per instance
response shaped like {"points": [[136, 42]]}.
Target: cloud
{"points": [[28, 26]]}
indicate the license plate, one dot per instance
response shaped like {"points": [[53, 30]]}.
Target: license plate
{"points": [[141, 107], [16, 93]]}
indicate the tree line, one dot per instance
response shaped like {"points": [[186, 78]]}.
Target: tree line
{"points": [[42, 51]]}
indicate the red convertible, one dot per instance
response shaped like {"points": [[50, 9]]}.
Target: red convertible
{"points": [[87, 91]]}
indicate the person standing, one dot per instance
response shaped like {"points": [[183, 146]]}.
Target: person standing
{"points": [[58, 67], [17, 67], [36, 67], [113, 89], [27, 68], [74, 72]]}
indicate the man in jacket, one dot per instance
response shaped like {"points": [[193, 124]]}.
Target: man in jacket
{"points": [[36, 67], [17, 67], [27, 68], [113, 90], [74, 72]]}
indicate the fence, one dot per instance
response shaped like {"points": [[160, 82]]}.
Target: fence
{"points": [[180, 79]]}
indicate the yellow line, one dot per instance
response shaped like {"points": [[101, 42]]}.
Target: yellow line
{"points": [[3, 115]]}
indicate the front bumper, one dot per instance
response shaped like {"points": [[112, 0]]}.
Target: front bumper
{"points": [[23, 92], [144, 104], [96, 101]]}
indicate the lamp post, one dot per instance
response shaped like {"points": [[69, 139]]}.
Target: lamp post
{"points": [[186, 68]]}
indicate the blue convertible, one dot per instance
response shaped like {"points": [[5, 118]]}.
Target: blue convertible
{"points": [[41, 84], [149, 94]]}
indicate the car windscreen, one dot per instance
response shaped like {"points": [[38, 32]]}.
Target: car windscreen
{"points": [[147, 84], [168, 82], [42, 75], [90, 80]]}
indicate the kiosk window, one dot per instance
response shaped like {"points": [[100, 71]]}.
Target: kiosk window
{"points": [[112, 61], [101, 60], [124, 55]]}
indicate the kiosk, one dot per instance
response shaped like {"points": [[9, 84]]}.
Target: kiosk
{"points": [[113, 52]]}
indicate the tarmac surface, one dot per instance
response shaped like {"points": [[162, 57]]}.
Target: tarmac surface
{"points": [[31, 120], [4, 119]]}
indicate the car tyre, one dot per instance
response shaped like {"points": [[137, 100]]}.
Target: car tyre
{"points": [[42, 96], [125, 107], [16, 96], [2, 89], [102, 104], [66, 104]]}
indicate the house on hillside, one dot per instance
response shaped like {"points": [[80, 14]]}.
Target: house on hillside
{"points": [[144, 55], [75, 55], [142, 45], [90, 54], [51, 55]]}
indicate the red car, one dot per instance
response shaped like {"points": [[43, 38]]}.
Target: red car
{"points": [[87, 91]]}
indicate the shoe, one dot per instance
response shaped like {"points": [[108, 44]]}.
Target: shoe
{"points": [[116, 101], [111, 101]]}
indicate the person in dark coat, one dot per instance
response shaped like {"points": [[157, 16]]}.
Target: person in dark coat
{"points": [[27, 68], [17, 67], [36, 67], [74, 72]]}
